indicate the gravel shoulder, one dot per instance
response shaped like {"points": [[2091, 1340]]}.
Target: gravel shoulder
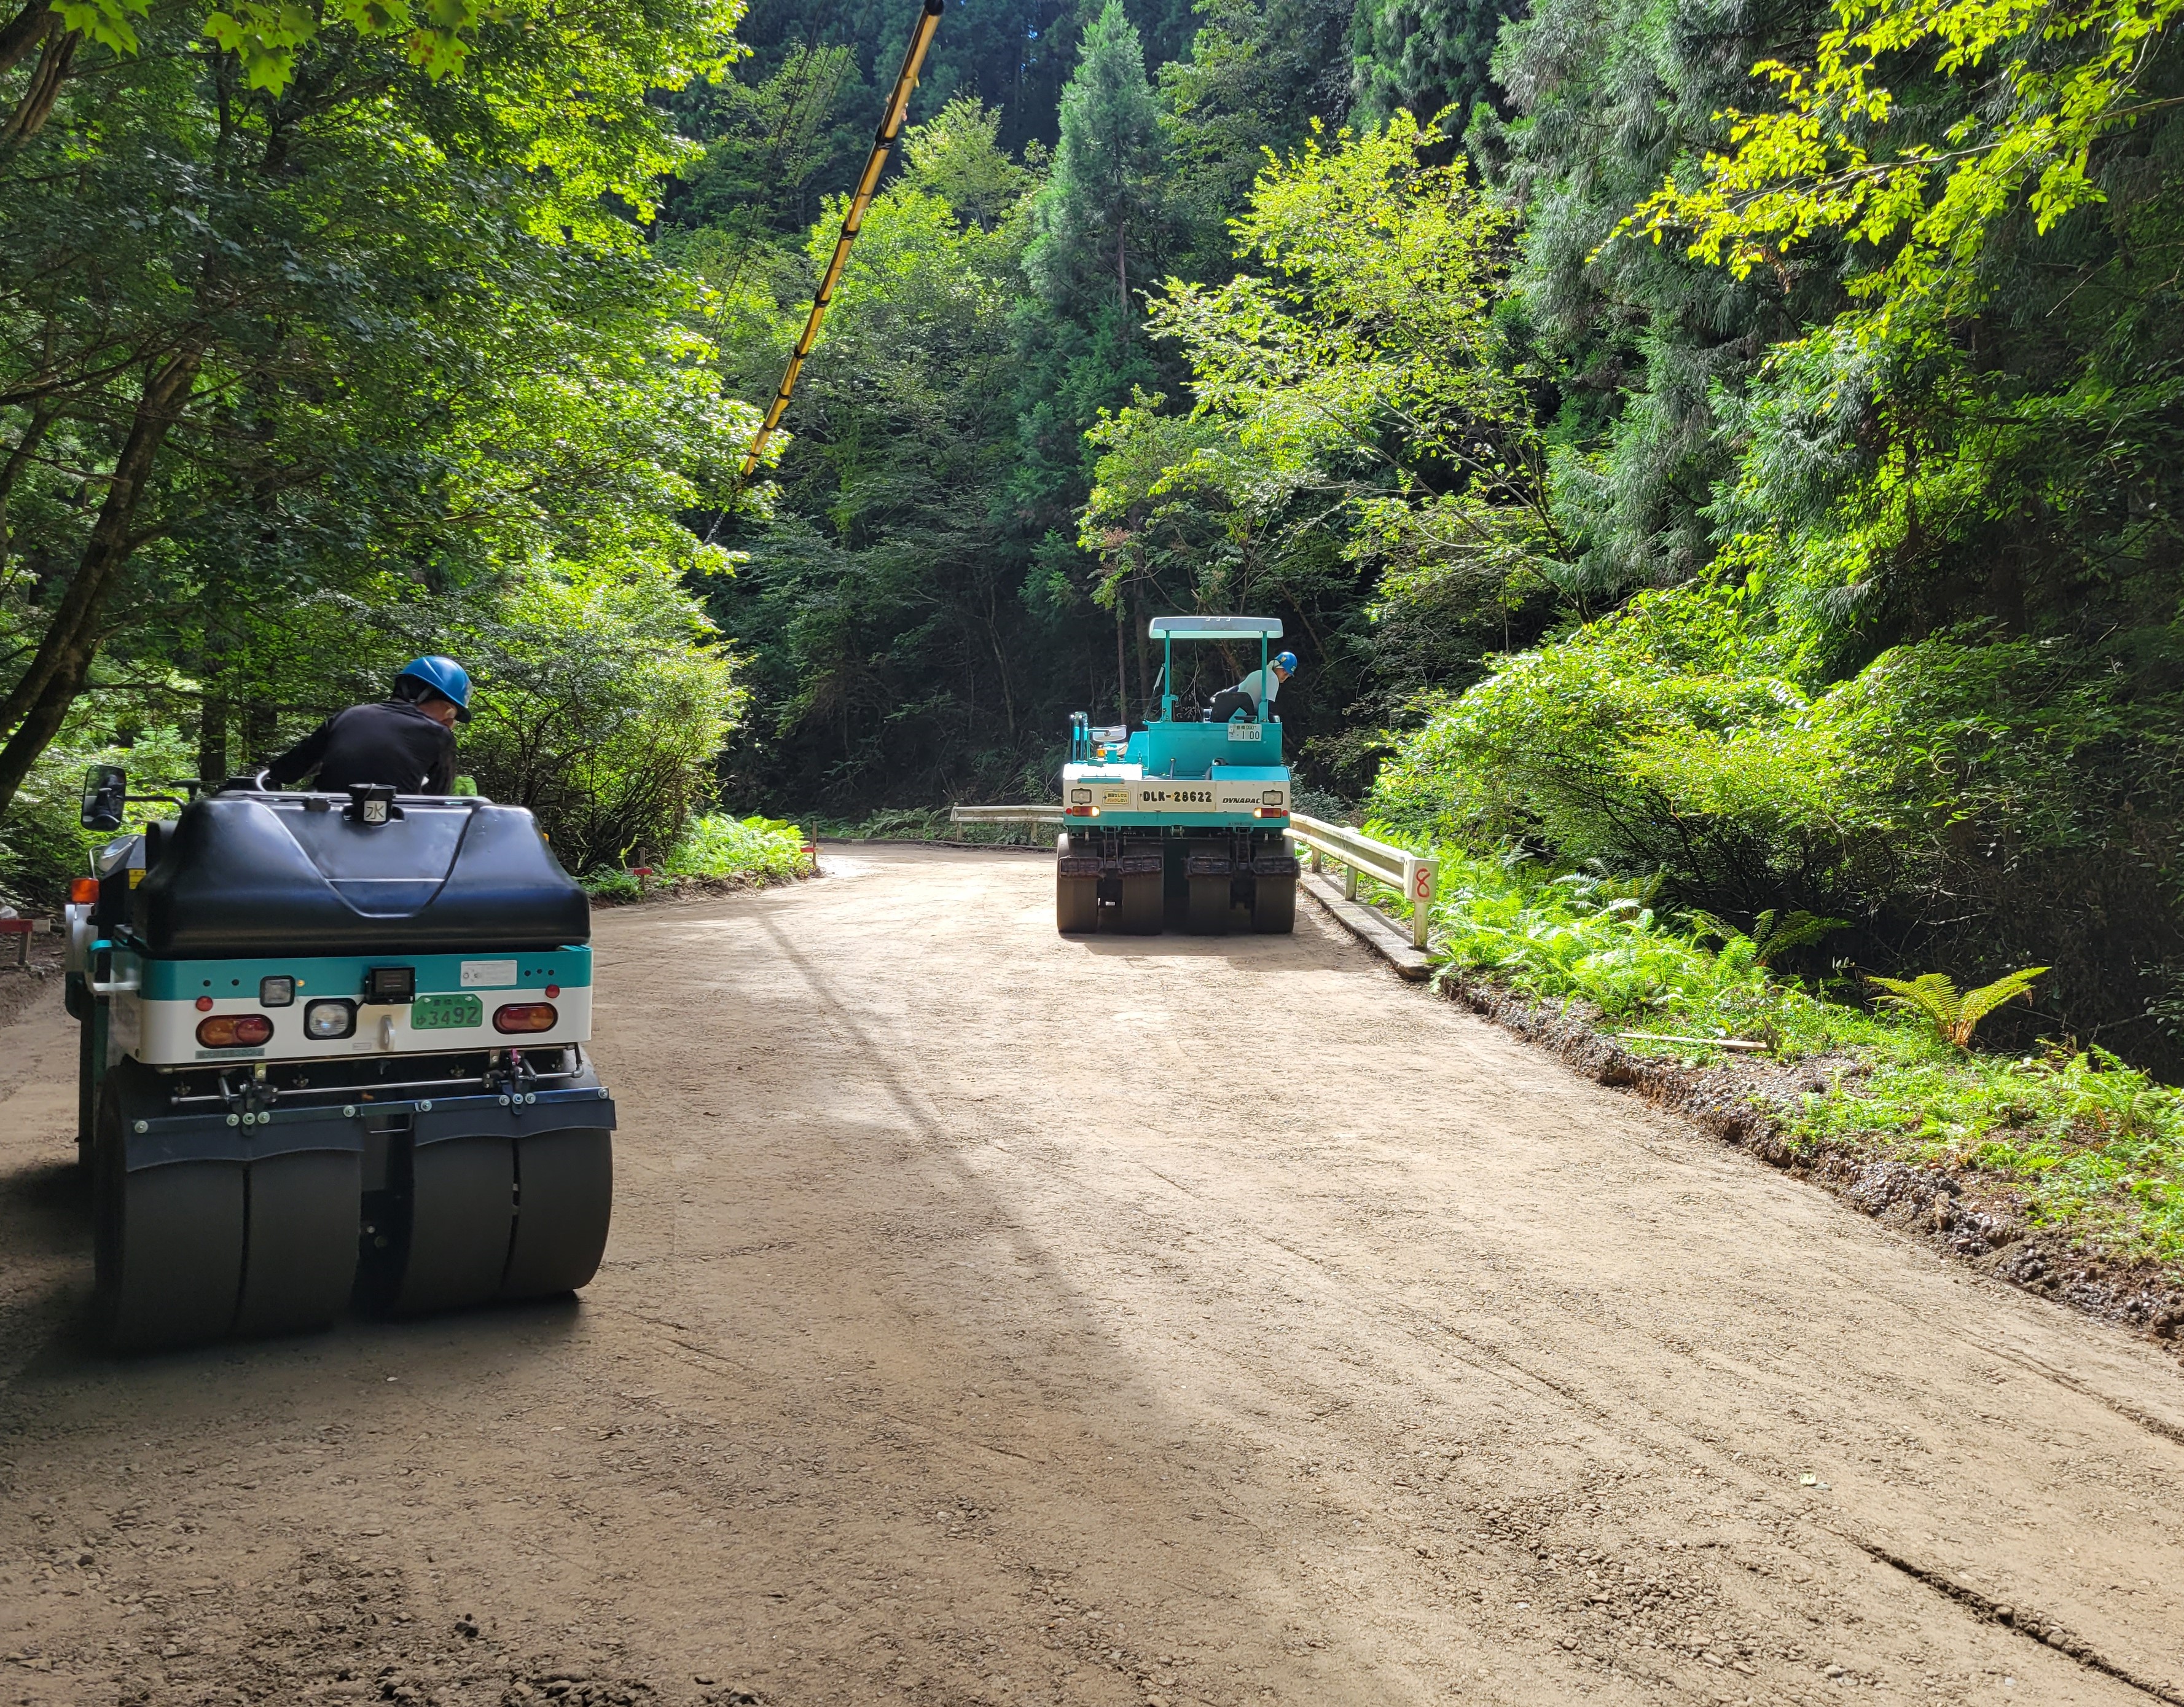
{"points": [[993, 1317]]}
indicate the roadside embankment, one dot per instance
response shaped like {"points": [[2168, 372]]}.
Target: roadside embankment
{"points": [[2060, 1171]]}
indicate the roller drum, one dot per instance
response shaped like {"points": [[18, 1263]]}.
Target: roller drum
{"points": [[300, 1243], [1274, 906], [168, 1240], [564, 1200], [1076, 905], [1141, 914], [462, 1220], [1209, 905]]}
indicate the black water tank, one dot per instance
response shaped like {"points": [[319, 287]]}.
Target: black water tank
{"points": [[242, 874]]}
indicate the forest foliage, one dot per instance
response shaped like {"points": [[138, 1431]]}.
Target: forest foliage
{"points": [[1736, 448], [328, 338]]}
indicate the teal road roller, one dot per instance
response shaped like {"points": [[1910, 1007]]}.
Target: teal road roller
{"points": [[1179, 823], [333, 1048]]}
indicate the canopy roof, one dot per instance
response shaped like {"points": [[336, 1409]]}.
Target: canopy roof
{"points": [[1215, 627]]}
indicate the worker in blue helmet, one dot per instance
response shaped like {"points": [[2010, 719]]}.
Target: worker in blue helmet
{"points": [[1257, 690], [406, 741]]}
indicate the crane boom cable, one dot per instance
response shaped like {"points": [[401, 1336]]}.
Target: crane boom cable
{"points": [[883, 142]]}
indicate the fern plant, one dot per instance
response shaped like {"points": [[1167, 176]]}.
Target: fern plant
{"points": [[1955, 1013], [2107, 1089], [1772, 933]]}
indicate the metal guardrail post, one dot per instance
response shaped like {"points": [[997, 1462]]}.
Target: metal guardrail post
{"points": [[1418, 877], [1414, 875]]}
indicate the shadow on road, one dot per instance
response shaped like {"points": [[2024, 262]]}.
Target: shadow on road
{"points": [[47, 1207]]}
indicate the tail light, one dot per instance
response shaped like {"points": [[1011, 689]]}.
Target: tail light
{"points": [[1270, 811], [83, 890], [234, 1030], [525, 1015], [1080, 812]]}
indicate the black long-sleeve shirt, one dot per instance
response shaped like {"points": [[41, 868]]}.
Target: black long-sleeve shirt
{"points": [[392, 743]]}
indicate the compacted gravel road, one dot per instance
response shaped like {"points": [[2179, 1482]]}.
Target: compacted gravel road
{"points": [[993, 1317]]}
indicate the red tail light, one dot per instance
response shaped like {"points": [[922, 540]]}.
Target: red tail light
{"points": [[234, 1030], [525, 1015], [1270, 811], [1080, 812], [83, 890]]}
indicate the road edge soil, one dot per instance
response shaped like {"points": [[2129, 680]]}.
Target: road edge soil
{"points": [[1969, 1220], [21, 987]]}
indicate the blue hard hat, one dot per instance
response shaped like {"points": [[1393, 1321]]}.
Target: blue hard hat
{"points": [[1286, 660], [445, 678]]}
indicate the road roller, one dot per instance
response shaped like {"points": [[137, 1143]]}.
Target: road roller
{"points": [[333, 1051], [1181, 823]]}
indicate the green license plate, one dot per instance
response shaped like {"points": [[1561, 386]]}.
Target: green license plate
{"points": [[445, 1013]]}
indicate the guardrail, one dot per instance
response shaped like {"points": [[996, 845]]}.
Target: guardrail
{"points": [[1004, 815], [1411, 874]]}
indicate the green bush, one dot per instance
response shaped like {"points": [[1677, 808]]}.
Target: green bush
{"points": [[603, 702], [717, 845], [1962, 800], [43, 845], [712, 846]]}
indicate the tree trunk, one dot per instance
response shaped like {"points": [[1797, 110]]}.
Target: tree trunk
{"points": [[29, 117], [43, 417], [1145, 652], [1122, 276], [34, 734], [1121, 679], [36, 704], [212, 736], [24, 31], [261, 722]]}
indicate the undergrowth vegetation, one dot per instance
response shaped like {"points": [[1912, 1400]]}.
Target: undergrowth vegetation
{"points": [[711, 848], [2094, 1146], [933, 824]]}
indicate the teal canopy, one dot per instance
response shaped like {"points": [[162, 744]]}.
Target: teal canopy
{"points": [[1216, 628]]}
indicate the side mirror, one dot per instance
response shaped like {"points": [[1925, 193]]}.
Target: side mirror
{"points": [[105, 793]]}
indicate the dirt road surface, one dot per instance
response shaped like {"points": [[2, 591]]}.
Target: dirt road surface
{"points": [[991, 1318]]}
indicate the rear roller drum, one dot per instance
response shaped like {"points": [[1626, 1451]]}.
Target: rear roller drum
{"points": [[1141, 914], [563, 1199], [1076, 905], [462, 1220], [168, 1240], [299, 1255], [1274, 906], [90, 1034], [1076, 899]]}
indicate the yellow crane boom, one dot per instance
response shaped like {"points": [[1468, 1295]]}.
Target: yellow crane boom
{"points": [[883, 142]]}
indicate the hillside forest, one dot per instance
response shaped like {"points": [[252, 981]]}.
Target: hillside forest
{"points": [[1728, 451]]}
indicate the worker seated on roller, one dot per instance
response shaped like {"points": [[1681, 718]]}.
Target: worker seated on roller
{"points": [[1257, 688], [405, 742]]}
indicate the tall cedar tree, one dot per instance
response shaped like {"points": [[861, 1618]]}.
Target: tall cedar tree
{"points": [[1096, 214]]}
